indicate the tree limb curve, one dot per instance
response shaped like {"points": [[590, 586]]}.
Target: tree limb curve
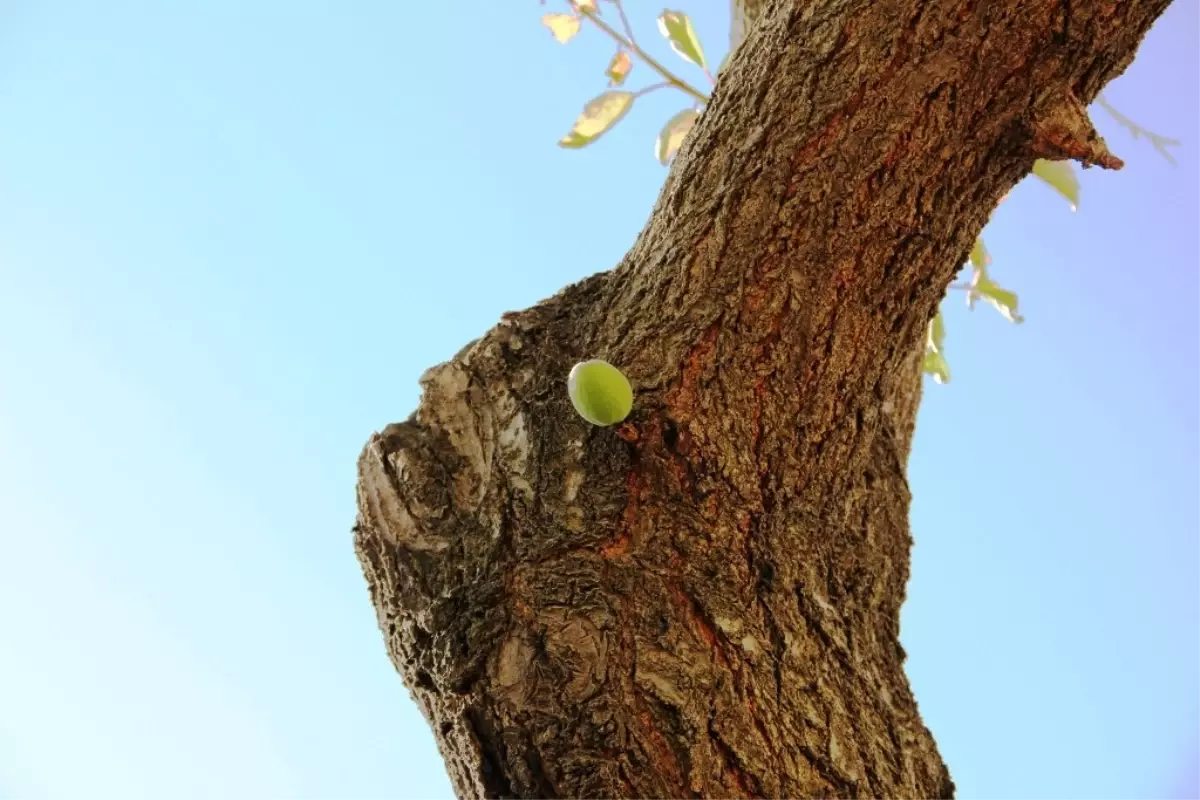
{"points": [[706, 602]]}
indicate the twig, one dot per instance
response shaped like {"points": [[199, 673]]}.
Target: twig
{"points": [[652, 88], [1159, 142], [670, 77], [625, 22]]}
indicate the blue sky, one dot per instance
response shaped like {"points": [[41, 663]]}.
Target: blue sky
{"points": [[232, 236]]}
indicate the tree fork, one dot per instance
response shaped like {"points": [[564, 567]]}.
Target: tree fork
{"points": [[705, 602]]}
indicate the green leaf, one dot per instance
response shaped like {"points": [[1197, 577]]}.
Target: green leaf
{"points": [[979, 256], [673, 133], [982, 287], [1157, 140], [1061, 176], [563, 26], [618, 68], [935, 363], [599, 115], [1003, 300], [935, 338], [677, 27]]}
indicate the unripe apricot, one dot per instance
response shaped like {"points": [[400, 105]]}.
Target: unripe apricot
{"points": [[599, 392]]}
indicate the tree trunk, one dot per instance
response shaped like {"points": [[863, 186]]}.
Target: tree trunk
{"points": [[704, 601]]}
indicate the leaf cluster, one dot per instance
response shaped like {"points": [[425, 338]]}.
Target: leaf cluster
{"points": [[602, 113], [605, 110]]}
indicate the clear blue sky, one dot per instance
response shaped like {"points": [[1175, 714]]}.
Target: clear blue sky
{"points": [[233, 234]]}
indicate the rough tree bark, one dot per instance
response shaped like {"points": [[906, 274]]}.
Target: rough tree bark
{"points": [[705, 602]]}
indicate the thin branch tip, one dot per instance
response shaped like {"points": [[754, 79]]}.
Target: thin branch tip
{"points": [[1061, 130]]}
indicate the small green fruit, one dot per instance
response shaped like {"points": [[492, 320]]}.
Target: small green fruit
{"points": [[599, 392]]}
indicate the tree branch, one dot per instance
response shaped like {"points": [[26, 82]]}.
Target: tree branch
{"points": [[628, 43], [707, 604]]}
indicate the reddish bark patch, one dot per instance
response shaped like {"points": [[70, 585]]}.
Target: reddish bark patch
{"points": [[701, 626], [637, 490], [732, 769], [683, 397], [659, 749], [830, 133]]}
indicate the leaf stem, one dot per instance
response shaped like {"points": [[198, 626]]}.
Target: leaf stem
{"points": [[1158, 141], [625, 22], [654, 87], [670, 77]]}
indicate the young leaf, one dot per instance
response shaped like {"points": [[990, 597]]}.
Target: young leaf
{"points": [[979, 256], [1157, 140], [563, 26], [935, 338], [935, 363], [1003, 300], [599, 115], [979, 260], [1061, 177], [673, 133], [936, 366], [618, 68], [982, 287], [677, 27]]}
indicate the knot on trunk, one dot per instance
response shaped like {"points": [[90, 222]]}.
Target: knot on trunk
{"points": [[1061, 130]]}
